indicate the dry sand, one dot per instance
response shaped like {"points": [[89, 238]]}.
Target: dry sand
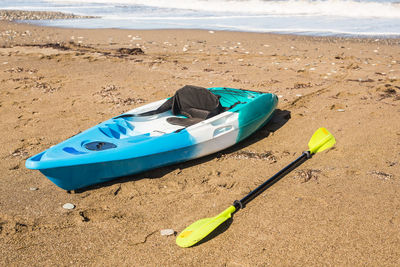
{"points": [[341, 208]]}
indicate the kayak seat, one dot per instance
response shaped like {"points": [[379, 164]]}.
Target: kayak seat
{"points": [[193, 102]]}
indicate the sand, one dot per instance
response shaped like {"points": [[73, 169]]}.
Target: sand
{"points": [[340, 208]]}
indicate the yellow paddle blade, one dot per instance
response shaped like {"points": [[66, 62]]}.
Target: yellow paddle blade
{"points": [[322, 139], [202, 228]]}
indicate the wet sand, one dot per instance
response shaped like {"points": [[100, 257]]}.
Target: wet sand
{"points": [[341, 208]]}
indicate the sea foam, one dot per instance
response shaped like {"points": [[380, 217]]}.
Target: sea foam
{"points": [[343, 8]]}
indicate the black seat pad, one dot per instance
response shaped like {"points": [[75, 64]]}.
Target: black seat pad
{"points": [[193, 102], [196, 103]]}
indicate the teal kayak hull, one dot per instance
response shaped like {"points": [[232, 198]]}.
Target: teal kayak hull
{"points": [[123, 146]]}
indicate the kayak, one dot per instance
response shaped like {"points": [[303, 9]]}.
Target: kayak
{"points": [[193, 123]]}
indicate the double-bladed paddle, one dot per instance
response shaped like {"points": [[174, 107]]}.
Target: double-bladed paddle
{"points": [[321, 140]]}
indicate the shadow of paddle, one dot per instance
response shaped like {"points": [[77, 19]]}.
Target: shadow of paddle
{"points": [[280, 118], [219, 230]]}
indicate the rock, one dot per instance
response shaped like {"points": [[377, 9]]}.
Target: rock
{"points": [[167, 232], [11, 15], [33, 188], [69, 206]]}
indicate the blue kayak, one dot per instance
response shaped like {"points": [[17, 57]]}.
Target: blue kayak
{"points": [[193, 123]]}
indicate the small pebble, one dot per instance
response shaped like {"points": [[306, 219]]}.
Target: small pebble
{"points": [[68, 206], [298, 95], [167, 232], [340, 110], [33, 188], [211, 31]]}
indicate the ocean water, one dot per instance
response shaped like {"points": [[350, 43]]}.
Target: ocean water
{"points": [[365, 18]]}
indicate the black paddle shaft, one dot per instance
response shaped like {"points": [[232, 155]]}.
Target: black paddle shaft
{"points": [[239, 204]]}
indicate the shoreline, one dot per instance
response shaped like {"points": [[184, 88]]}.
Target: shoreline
{"points": [[18, 17], [289, 37], [340, 208]]}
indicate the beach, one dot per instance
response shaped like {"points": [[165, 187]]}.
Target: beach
{"points": [[340, 208]]}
